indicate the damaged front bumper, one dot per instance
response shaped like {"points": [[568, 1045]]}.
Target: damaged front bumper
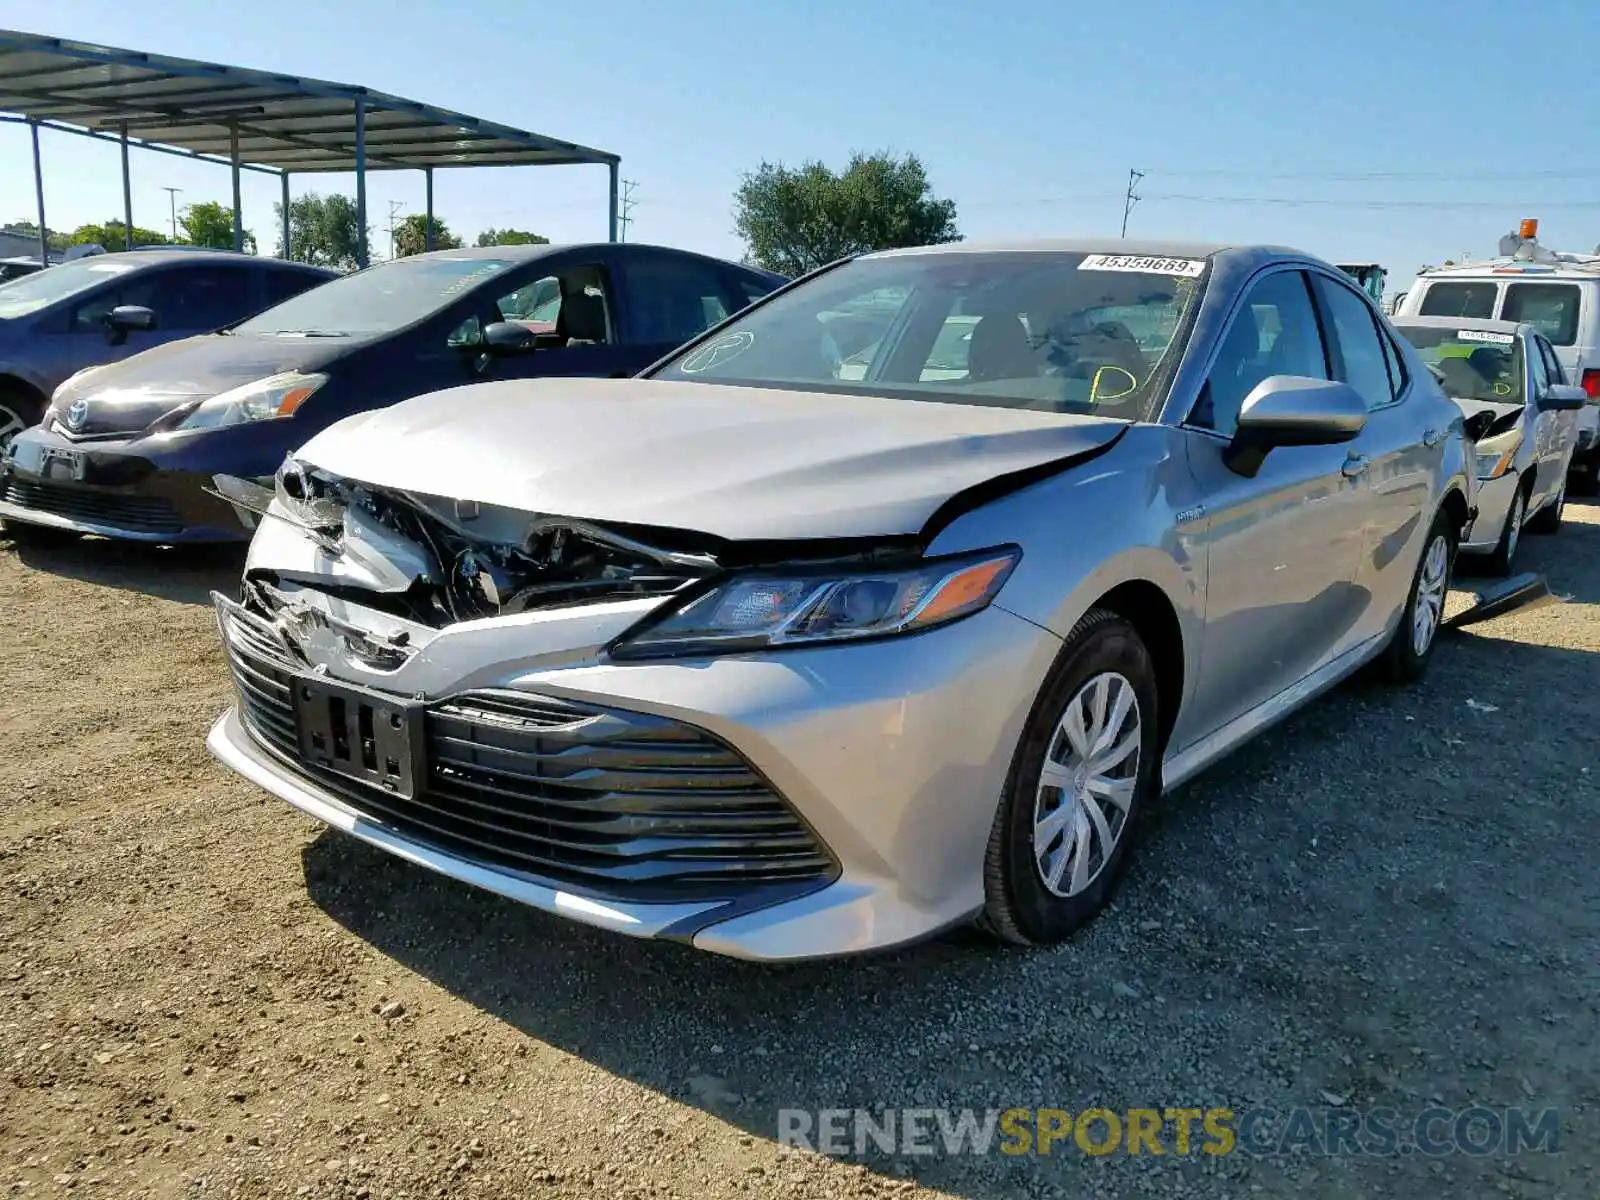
{"points": [[872, 770]]}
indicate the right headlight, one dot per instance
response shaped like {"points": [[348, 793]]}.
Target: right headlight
{"points": [[1497, 454], [756, 610], [263, 400]]}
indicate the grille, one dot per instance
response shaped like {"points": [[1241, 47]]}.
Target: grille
{"points": [[624, 804], [137, 514]]}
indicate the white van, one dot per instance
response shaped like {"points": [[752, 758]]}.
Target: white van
{"points": [[1558, 293]]}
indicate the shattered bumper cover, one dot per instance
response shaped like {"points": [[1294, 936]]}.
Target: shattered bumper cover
{"points": [[879, 767]]}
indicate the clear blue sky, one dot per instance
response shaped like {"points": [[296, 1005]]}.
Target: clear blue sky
{"points": [[1460, 116]]}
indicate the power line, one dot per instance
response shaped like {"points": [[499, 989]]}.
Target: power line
{"points": [[1131, 198], [1396, 176], [625, 212], [1324, 202], [394, 207]]}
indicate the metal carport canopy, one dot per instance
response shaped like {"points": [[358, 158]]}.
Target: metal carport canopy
{"points": [[252, 120]]}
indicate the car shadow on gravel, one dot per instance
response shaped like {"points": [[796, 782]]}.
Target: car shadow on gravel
{"points": [[1338, 914], [185, 574]]}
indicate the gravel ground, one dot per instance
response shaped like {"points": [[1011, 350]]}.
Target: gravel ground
{"points": [[1388, 901]]}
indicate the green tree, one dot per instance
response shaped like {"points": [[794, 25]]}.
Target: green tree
{"points": [[411, 236], [795, 219], [511, 237], [111, 236], [30, 229], [324, 230], [210, 224]]}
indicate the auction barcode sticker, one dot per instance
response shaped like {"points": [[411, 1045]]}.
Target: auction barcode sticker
{"points": [[1483, 335], [1188, 268]]}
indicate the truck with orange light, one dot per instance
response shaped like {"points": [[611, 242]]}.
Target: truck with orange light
{"points": [[1557, 292]]}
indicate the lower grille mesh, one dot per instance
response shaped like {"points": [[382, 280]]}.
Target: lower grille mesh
{"points": [[625, 803], [137, 514]]}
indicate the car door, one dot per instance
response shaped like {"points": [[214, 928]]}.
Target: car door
{"points": [[1395, 458], [570, 307], [1562, 427], [672, 298], [1543, 428], [1282, 546], [186, 298]]}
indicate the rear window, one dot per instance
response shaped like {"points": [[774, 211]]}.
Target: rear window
{"points": [[1551, 308], [1459, 299]]}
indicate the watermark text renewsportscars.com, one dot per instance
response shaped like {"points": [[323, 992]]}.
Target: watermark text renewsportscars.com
{"points": [[1181, 1132]]}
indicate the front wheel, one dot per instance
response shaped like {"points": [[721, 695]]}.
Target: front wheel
{"points": [[1505, 550], [1586, 473], [1088, 758], [1406, 657]]}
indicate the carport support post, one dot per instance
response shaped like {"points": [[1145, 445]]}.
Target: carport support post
{"points": [[284, 180], [238, 212], [361, 182], [127, 193], [38, 189], [427, 236], [616, 168]]}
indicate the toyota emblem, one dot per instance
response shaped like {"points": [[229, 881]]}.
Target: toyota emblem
{"points": [[77, 415]]}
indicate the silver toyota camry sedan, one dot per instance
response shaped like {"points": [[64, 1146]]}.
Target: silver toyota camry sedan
{"points": [[885, 606]]}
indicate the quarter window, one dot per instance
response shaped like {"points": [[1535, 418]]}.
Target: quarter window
{"points": [[1275, 333], [1552, 364], [1363, 363], [1551, 308]]}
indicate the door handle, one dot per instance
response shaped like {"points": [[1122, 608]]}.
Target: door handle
{"points": [[1432, 438], [1355, 465]]}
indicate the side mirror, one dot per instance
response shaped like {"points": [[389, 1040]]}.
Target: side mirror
{"points": [[125, 319], [1563, 397], [508, 337], [1292, 410]]}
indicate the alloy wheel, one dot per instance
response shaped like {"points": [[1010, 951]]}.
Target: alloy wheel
{"points": [[1432, 584], [1519, 508], [1086, 787]]}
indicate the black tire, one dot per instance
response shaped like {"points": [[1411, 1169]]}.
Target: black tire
{"points": [[1401, 661], [18, 411], [1505, 550], [1548, 519], [1584, 475], [1018, 905]]}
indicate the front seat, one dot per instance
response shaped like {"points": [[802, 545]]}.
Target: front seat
{"points": [[1000, 349], [582, 319]]}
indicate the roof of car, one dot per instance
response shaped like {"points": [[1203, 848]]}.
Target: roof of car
{"points": [[150, 256], [529, 253], [1481, 324], [1143, 247]]}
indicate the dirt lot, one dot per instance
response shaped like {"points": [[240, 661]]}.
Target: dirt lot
{"points": [[1389, 901]]}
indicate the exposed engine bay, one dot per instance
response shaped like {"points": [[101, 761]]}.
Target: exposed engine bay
{"points": [[438, 561]]}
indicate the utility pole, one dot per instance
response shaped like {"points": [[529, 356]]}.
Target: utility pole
{"points": [[1130, 198], [172, 202], [394, 207], [624, 213]]}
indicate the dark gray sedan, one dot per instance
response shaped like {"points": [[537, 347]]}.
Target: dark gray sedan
{"points": [[105, 307]]}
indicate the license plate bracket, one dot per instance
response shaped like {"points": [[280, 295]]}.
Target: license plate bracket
{"points": [[60, 463], [362, 735]]}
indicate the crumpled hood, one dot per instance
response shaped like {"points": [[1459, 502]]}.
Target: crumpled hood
{"points": [[126, 396], [732, 462]]}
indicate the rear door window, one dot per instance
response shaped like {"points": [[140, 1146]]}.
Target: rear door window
{"points": [[1552, 308], [281, 284], [673, 299], [1362, 361], [1474, 298]]}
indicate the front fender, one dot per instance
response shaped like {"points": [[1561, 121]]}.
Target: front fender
{"points": [[1095, 527]]}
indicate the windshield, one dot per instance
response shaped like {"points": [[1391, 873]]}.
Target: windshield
{"points": [[1476, 364], [379, 299], [28, 294], [1052, 332]]}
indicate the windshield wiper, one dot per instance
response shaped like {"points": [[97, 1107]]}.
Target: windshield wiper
{"points": [[309, 333]]}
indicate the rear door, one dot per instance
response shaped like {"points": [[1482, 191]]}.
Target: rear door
{"points": [[1395, 457]]}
